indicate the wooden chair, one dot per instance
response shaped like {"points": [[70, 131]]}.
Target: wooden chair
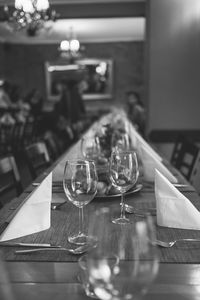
{"points": [[52, 146], [37, 157], [195, 175], [9, 176], [17, 137], [28, 136], [184, 156], [6, 131]]}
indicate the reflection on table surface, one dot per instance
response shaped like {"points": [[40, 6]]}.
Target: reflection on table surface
{"points": [[59, 281]]}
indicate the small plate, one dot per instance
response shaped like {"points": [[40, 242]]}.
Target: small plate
{"points": [[133, 190]]}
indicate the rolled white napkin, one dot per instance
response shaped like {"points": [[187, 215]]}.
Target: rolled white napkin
{"points": [[33, 215], [150, 163], [173, 208]]}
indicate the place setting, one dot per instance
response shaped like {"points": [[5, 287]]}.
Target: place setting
{"points": [[96, 177]]}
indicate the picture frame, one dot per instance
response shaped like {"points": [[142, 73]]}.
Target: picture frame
{"points": [[96, 73]]}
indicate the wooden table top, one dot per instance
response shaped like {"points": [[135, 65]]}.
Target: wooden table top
{"points": [[52, 277], [48, 281]]}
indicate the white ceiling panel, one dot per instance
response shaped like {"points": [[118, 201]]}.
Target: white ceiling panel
{"points": [[86, 30]]}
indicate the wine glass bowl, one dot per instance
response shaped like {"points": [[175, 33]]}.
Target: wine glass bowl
{"points": [[125, 261], [123, 175], [120, 140], [80, 186], [90, 147]]}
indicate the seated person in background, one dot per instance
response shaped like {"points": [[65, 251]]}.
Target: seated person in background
{"points": [[35, 101], [136, 111], [62, 107], [71, 105], [77, 108], [62, 128]]}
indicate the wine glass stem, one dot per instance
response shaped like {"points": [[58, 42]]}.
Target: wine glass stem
{"points": [[81, 221], [122, 215]]}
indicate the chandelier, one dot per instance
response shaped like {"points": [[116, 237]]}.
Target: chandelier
{"points": [[30, 15], [70, 48]]}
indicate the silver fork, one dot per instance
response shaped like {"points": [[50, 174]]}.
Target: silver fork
{"points": [[79, 250], [172, 243]]}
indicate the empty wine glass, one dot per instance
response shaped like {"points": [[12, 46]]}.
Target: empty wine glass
{"points": [[123, 175], [148, 265], [120, 140], [125, 261], [80, 186], [90, 147]]}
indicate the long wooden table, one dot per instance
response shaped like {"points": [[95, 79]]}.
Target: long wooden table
{"points": [[53, 275]]}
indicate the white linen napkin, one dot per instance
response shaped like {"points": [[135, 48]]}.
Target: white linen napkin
{"points": [[138, 142], [33, 215], [173, 208], [150, 163]]}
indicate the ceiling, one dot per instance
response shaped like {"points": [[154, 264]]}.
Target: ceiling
{"points": [[91, 20], [11, 2]]}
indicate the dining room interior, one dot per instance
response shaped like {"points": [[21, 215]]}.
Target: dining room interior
{"points": [[107, 81], [134, 44]]}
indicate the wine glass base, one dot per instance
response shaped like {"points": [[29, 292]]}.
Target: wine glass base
{"points": [[121, 221], [81, 239]]}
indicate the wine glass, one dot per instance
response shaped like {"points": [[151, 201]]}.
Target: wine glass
{"points": [[80, 186], [120, 140], [148, 255], [123, 175], [90, 147], [125, 261]]}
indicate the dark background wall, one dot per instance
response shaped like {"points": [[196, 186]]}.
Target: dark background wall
{"points": [[174, 65], [23, 64]]}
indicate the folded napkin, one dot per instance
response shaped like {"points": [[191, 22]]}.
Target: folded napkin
{"points": [[173, 208], [33, 215], [139, 142], [150, 163]]}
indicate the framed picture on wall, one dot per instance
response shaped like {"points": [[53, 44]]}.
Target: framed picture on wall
{"points": [[96, 75]]}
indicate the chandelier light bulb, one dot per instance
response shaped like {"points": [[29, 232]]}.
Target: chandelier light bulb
{"points": [[64, 45], [30, 15], [42, 5], [74, 45], [19, 4], [25, 5]]}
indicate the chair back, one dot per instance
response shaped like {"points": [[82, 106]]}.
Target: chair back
{"points": [[6, 131], [37, 158], [52, 146], [9, 176], [28, 136], [184, 156], [195, 175]]}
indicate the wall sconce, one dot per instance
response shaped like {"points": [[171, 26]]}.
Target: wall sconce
{"points": [[70, 48], [30, 15]]}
